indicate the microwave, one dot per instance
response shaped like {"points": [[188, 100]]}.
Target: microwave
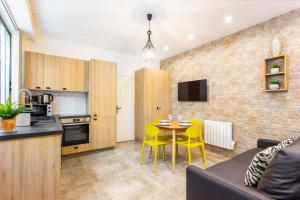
{"points": [[41, 110]]}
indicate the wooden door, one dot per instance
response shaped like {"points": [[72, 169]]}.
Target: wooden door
{"points": [[151, 95], [164, 94], [103, 103], [34, 70], [52, 72], [68, 69]]}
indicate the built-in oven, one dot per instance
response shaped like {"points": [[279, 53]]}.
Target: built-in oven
{"points": [[75, 130]]}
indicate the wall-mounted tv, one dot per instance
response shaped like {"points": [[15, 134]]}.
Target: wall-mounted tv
{"points": [[192, 90]]}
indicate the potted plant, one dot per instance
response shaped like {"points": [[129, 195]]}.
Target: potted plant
{"points": [[275, 68], [8, 113], [274, 84]]}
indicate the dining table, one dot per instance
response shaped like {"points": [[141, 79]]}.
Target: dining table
{"points": [[176, 128]]}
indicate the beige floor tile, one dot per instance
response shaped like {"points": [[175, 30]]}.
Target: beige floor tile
{"points": [[117, 174]]}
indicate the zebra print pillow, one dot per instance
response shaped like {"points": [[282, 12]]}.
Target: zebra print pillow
{"points": [[261, 161], [258, 165], [286, 142]]}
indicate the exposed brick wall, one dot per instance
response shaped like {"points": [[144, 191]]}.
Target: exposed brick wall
{"points": [[233, 67]]}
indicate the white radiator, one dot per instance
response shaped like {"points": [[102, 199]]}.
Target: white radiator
{"points": [[218, 134]]}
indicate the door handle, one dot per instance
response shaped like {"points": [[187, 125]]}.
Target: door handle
{"points": [[118, 108], [48, 88]]}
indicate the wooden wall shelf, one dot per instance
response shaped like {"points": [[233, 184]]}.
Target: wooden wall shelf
{"points": [[281, 76]]}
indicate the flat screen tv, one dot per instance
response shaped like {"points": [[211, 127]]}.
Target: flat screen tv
{"points": [[192, 90]]}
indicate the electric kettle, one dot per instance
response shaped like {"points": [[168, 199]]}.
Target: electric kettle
{"points": [[47, 98]]}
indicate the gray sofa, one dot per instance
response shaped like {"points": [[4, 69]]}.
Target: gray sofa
{"points": [[225, 181]]}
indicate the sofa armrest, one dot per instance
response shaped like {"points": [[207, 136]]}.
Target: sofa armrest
{"points": [[265, 143], [200, 185]]}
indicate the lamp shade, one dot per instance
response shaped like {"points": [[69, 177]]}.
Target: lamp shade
{"points": [[149, 51]]}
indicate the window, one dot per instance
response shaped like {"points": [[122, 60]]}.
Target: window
{"points": [[5, 61]]}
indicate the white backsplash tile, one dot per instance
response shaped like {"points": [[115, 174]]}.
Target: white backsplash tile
{"points": [[67, 103]]}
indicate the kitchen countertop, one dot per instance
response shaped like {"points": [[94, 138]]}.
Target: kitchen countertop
{"points": [[39, 129]]}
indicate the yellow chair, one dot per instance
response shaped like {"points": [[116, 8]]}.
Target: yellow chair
{"points": [[195, 140], [161, 136], [151, 138], [194, 122]]}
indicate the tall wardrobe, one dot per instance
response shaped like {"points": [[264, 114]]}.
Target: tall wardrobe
{"points": [[152, 98]]}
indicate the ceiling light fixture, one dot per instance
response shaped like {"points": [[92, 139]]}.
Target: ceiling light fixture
{"points": [[228, 19], [190, 37], [166, 48], [149, 50]]}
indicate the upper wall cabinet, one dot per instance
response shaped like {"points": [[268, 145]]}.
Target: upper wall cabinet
{"points": [[34, 70], [74, 75], [52, 72], [47, 72]]}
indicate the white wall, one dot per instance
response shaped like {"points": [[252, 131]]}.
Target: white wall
{"points": [[127, 64]]}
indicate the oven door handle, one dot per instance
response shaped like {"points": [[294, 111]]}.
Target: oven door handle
{"points": [[75, 124]]}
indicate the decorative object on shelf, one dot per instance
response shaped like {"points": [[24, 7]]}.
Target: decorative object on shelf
{"points": [[277, 44], [274, 84], [275, 68], [8, 113], [149, 50]]}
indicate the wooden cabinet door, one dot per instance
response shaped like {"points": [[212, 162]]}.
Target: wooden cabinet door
{"points": [[52, 72], [150, 95], [164, 94], [68, 69], [34, 70], [81, 75], [103, 103]]}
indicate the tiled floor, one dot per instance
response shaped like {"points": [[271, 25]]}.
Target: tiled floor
{"points": [[117, 175]]}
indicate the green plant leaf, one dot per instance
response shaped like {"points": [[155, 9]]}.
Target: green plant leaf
{"points": [[10, 110]]}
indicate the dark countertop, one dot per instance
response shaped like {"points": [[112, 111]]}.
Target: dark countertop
{"points": [[39, 129]]}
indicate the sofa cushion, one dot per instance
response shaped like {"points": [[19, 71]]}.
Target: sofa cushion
{"points": [[281, 179], [247, 156], [258, 165], [231, 172]]}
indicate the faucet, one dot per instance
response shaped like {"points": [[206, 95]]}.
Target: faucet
{"points": [[30, 96]]}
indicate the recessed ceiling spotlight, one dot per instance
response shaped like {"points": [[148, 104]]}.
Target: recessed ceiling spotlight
{"points": [[228, 19], [190, 37], [166, 48]]}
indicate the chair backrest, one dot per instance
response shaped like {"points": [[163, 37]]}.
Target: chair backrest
{"points": [[196, 122], [151, 130], [194, 132], [157, 120]]}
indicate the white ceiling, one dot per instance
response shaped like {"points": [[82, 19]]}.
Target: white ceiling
{"points": [[121, 25]]}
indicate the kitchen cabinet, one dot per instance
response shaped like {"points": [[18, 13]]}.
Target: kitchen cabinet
{"points": [[68, 73], [48, 72], [34, 70], [81, 76], [30, 168], [152, 98], [103, 103], [52, 72], [74, 75]]}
